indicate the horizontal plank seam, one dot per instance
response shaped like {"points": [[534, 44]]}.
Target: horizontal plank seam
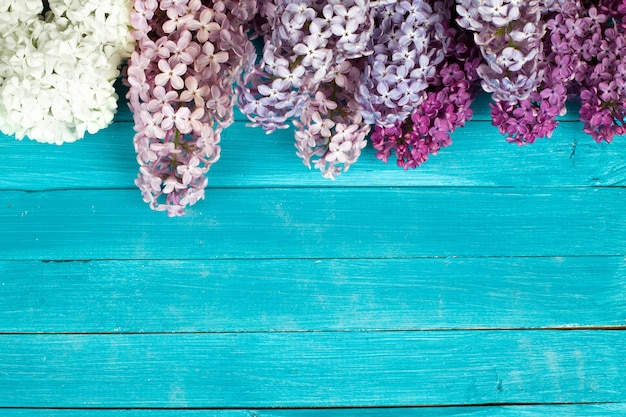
{"points": [[337, 187], [270, 259], [373, 330], [344, 407]]}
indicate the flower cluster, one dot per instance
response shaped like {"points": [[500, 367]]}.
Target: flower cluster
{"points": [[335, 70], [58, 66], [599, 66], [408, 44], [181, 92], [509, 34], [540, 53], [307, 73], [445, 107]]}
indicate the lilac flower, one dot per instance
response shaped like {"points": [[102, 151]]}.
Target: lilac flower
{"points": [[57, 71], [181, 93], [580, 58], [307, 47], [171, 75], [509, 34], [445, 107], [405, 31]]}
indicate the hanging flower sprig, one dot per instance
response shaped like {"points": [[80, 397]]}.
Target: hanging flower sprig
{"points": [[181, 92], [445, 105], [58, 66]]}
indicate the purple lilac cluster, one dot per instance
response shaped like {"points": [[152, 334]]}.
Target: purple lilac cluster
{"points": [[596, 39], [181, 74], [445, 107], [307, 74], [578, 54], [408, 44]]}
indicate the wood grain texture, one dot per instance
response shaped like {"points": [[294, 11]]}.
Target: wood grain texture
{"points": [[315, 295], [571, 410], [318, 369], [478, 157], [316, 223], [443, 286]]}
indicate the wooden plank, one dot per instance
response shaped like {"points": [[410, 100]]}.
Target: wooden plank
{"points": [[311, 295], [316, 223], [312, 369], [478, 157], [565, 410]]}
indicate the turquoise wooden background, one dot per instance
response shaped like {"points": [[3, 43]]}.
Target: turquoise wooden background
{"points": [[489, 282]]}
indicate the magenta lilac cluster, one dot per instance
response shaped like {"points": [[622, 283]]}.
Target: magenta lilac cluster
{"points": [[444, 105], [539, 53], [401, 73]]}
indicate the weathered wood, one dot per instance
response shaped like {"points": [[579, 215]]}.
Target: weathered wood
{"points": [[316, 223], [312, 369], [301, 295]]}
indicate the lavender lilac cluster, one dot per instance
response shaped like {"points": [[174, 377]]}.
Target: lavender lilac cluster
{"points": [[308, 74], [180, 76]]}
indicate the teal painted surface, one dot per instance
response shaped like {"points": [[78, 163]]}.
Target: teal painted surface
{"points": [[312, 295], [304, 369], [489, 282], [591, 410]]}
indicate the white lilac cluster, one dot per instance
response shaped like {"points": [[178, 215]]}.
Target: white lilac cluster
{"points": [[509, 34], [58, 63]]}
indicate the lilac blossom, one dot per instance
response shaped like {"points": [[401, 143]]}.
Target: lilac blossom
{"points": [[408, 44], [330, 131], [307, 47], [582, 59], [446, 107], [181, 92], [509, 34]]}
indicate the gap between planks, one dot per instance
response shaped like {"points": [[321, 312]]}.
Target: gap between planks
{"points": [[378, 331]]}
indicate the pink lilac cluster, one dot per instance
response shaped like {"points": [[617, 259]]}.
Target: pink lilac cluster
{"points": [[446, 105], [180, 76], [307, 75]]}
